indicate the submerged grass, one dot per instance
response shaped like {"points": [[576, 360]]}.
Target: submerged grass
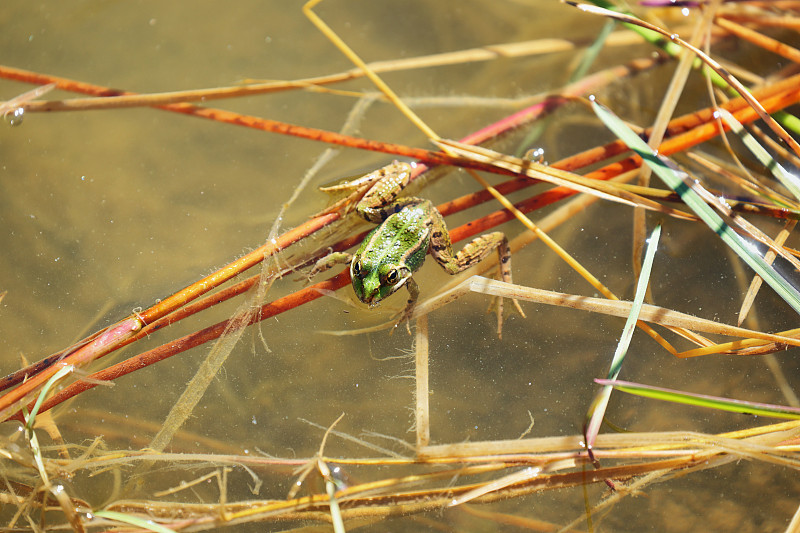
{"points": [[150, 487]]}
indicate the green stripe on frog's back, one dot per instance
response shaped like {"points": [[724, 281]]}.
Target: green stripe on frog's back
{"points": [[402, 239]]}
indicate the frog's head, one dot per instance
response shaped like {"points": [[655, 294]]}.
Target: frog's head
{"points": [[372, 285]]}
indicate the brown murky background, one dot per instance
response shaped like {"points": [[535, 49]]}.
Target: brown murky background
{"points": [[105, 211]]}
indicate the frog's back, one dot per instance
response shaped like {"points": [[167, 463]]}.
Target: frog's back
{"points": [[402, 239]]}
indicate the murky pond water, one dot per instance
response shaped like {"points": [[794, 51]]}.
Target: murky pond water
{"points": [[106, 211]]}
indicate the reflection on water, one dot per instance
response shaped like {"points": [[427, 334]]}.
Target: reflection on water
{"points": [[106, 211]]}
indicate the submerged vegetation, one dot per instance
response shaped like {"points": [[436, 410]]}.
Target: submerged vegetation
{"points": [[660, 141]]}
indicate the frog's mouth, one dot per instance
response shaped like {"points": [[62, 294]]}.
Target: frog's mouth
{"points": [[374, 300]]}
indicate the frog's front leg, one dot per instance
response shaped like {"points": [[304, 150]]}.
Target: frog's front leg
{"points": [[330, 261], [473, 253]]}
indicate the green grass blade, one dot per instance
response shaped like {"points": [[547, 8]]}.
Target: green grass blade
{"points": [[650, 36], [744, 250], [597, 409], [134, 521], [703, 400], [31, 418], [591, 53], [788, 121]]}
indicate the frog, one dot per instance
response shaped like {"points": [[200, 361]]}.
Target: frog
{"points": [[408, 228]]}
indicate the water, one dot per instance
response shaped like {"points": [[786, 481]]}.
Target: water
{"points": [[105, 211]]}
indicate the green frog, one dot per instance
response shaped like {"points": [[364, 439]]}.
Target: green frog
{"points": [[408, 228]]}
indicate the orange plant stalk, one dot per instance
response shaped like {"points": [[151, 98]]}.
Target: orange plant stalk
{"points": [[110, 339], [126, 331], [701, 132]]}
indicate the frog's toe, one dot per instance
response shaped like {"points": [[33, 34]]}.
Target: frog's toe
{"points": [[305, 277], [518, 308]]}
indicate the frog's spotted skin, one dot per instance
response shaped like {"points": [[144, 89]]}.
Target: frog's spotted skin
{"points": [[408, 228], [392, 252]]}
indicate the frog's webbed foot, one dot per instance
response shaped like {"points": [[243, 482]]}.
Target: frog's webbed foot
{"points": [[397, 324], [474, 252], [496, 305], [325, 263], [504, 257]]}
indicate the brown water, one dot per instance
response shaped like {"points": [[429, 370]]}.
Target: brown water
{"points": [[105, 211]]}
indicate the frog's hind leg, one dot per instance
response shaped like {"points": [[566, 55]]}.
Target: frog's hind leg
{"points": [[379, 201], [474, 252], [381, 213]]}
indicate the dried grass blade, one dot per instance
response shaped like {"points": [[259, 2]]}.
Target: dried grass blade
{"points": [[794, 525], [521, 476], [782, 286], [422, 409], [618, 308], [349, 53], [601, 189], [743, 347], [755, 284], [598, 406], [257, 87], [789, 180], [704, 400], [659, 129], [27, 96], [743, 180]]}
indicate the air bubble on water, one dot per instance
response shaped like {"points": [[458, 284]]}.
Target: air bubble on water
{"points": [[535, 154], [14, 118]]}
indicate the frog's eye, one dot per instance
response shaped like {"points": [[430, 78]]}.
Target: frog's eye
{"points": [[356, 267], [391, 276]]}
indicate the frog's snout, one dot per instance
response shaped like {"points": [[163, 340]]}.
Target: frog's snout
{"points": [[373, 299]]}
